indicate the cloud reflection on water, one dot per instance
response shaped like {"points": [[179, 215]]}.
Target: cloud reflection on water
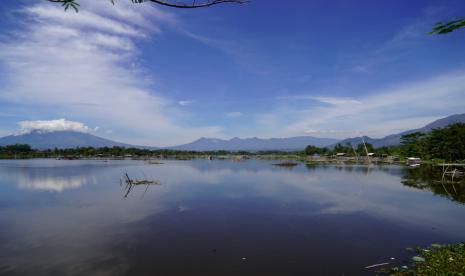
{"points": [[52, 183], [77, 232]]}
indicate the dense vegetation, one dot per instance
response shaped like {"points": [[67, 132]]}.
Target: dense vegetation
{"points": [[446, 143], [435, 260], [443, 143], [350, 150], [25, 151]]}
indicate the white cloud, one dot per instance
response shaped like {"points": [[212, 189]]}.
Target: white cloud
{"points": [[383, 112], [83, 19], [80, 66], [50, 183], [54, 125], [234, 114], [326, 100]]}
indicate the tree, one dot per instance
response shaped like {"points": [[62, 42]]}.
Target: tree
{"points": [[347, 149], [447, 27], [312, 150], [412, 144], [191, 4], [17, 148], [361, 148], [384, 151], [447, 143]]}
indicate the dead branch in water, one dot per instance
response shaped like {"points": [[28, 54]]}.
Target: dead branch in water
{"points": [[131, 183]]}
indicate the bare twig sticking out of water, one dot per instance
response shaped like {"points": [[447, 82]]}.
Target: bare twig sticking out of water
{"points": [[453, 173], [131, 183]]}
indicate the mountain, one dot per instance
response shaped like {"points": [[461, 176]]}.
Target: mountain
{"points": [[255, 144], [394, 139], [38, 139]]}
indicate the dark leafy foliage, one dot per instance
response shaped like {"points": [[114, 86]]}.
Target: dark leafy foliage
{"points": [[435, 260], [443, 143], [312, 150], [428, 177], [447, 27], [25, 151]]}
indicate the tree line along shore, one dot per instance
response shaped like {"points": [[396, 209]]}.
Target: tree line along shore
{"points": [[440, 145]]}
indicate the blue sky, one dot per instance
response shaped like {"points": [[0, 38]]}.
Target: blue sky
{"points": [[159, 76]]}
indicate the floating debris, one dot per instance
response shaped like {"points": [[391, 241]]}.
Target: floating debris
{"points": [[376, 265], [154, 162], [418, 259]]}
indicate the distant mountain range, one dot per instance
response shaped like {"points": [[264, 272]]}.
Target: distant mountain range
{"points": [[71, 139], [394, 139], [38, 139], [256, 144]]}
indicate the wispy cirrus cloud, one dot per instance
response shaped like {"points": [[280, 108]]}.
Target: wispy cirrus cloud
{"points": [[238, 52], [389, 51], [84, 66], [383, 112], [321, 99]]}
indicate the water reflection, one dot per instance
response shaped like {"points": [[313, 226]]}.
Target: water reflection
{"points": [[430, 178], [51, 182], [208, 215], [32, 176], [130, 184]]}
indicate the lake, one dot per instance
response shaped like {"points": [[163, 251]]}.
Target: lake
{"points": [[219, 217]]}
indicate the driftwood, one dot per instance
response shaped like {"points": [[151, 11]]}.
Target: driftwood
{"points": [[131, 183]]}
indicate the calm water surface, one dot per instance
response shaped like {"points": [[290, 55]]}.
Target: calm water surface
{"points": [[218, 217]]}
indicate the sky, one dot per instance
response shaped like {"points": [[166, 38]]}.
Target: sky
{"points": [[151, 75]]}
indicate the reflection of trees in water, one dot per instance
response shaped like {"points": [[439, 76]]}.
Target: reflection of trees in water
{"points": [[352, 168], [429, 178], [424, 177]]}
